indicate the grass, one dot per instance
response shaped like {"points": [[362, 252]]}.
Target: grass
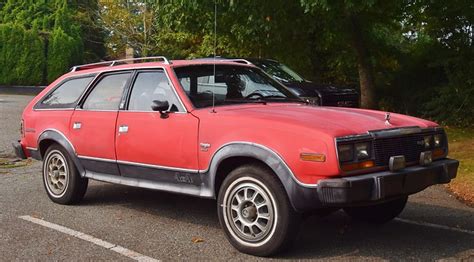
{"points": [[461, 147], [7, 164]]}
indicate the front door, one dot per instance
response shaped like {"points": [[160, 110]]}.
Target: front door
{"points": [[93, 124], [155, 147]]}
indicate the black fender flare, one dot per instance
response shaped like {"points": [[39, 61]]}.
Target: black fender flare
{"points": [[298, 193], [58, 137]]}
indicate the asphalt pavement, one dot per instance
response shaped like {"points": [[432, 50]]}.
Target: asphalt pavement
{"points": [[164, 226]]}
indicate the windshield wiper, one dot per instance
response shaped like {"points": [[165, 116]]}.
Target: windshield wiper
{"points": [[282, 99], [266, 99], [247, 100]]}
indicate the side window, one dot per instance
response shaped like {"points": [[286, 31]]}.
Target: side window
{"points": [[151, 86], [67, 94], [206, 84], [107, 93], [186, 84]]}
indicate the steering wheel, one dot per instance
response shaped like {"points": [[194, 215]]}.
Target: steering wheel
{"points": [[255, 94]]}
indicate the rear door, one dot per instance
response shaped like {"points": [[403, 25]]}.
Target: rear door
{"points": [[152, 147], [93, 123]]}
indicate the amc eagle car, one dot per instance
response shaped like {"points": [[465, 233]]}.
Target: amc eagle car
{"points": [[227, 131]]}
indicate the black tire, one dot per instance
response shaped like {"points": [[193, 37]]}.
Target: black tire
{"points": [[58, 166], [270, 208], [378, 214]]}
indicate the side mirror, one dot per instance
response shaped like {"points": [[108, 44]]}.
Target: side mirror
{"points": [[161, 106]]}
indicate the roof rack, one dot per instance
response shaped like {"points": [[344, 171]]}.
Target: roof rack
{"points": [[242, 61], [119, 62]]}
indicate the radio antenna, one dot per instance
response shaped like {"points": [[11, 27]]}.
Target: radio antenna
{"points": [[215, 55]]}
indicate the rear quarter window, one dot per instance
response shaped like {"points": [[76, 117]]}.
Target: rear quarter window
{"points": [[66, 94]]}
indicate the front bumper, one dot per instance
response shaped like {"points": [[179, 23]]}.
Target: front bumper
{"points": [[377, 187]]}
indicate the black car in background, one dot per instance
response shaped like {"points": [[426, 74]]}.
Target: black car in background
{"points": [[320, 94]]}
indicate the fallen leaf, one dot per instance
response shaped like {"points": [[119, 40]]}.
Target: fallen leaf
{"points": [[197, 240]]}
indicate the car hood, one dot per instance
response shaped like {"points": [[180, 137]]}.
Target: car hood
{"points": [[310, 89], [332, 121]]}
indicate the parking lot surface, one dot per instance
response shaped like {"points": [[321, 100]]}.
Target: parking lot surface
{"points": [[145, 224]]}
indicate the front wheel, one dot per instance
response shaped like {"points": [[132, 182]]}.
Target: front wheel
{"points": [[378, 214], [61, 179], [255, 212]]}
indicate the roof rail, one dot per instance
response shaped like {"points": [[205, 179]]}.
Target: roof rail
{"points": [[241, 60], [119, 62]]}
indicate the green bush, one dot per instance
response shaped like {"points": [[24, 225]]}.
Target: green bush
{"points": [[22, 56], [63, 52], [453, 103]]}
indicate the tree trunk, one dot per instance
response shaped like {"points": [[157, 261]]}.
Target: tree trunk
{"points": [[366, 78]]}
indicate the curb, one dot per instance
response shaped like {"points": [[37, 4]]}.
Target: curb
{"points": [[21, 90]]}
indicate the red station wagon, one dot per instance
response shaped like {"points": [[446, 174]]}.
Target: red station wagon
{"points": [[228, 131]]}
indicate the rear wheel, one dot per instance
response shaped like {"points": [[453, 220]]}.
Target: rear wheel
{"points": [[255, 212], [61, 179], [378, 214]]}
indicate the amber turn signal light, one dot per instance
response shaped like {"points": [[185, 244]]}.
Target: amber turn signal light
{"points": [[314, 157], [438, 152], [357, 166]]}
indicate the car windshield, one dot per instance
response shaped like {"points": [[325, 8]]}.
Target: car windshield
{"points": [[279, 71], [230, 84]]}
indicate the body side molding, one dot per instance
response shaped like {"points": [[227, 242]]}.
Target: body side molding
{"points": [[187, 189]]}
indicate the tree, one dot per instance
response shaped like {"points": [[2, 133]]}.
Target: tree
{"points": [[128, 23], [354, 26], [443, 33], [91, 31]]}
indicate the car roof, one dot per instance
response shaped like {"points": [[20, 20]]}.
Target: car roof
{"points": [[98, 68]]}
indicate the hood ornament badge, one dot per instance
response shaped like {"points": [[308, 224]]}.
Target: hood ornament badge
{"points": [[387, 119]]}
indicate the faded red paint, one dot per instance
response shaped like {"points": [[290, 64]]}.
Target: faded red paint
{"points": [[287, 129]]}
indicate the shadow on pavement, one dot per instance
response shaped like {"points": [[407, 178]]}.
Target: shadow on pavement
{"points": [[333, 236]]}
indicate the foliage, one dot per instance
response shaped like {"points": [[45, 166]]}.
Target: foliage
{"points": [[129, 24], [42, 39], [18, 48], [65, 45], [442, 34], [409, 56]]}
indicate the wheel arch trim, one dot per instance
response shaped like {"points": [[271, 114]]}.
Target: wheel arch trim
{"points": [[247, 149], [259, 152], [61, 139]]}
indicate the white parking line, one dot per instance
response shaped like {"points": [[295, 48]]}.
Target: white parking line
{"points": [[426, 224], [116, 248]]}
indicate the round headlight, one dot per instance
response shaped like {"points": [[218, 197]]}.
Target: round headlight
{"points": [[438, 140], [362, 151], [427, 141], [345, 152]]}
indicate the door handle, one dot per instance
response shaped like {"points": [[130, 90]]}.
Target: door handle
{"points": [[77, 125], [123, 129]]}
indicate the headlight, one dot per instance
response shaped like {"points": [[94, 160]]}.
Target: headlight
{"points": [[362, 151], [427, 141], [355, 156], [438, 140], [345, 152]]}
